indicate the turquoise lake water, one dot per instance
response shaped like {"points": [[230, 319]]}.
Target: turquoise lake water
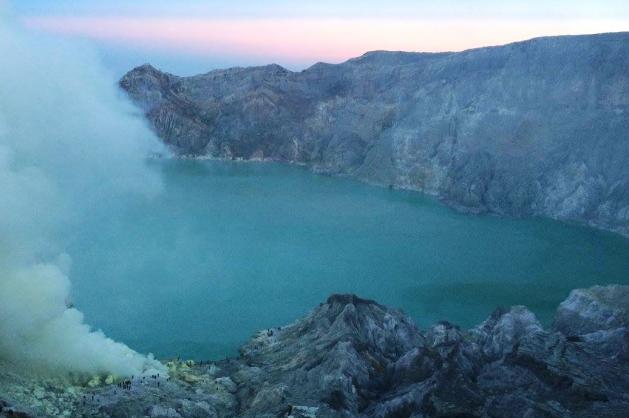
{"points": [[231, 248]]}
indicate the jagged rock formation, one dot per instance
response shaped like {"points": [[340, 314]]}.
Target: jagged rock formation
{"points": [[356, 358], [532, 128]]}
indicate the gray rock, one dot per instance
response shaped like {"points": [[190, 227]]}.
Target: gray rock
{"points": [[353, 357], [8, 411], [158, 411], [503, 330], [531, 128], [596, 309], [330, 358]]}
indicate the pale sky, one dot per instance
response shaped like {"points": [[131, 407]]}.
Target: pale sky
{"points": [[193, 36]]}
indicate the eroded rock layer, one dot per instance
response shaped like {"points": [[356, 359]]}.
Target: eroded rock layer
{"points": [[532, 128]]}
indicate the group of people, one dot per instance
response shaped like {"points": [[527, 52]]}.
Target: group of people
{"points": [[125, 384]]}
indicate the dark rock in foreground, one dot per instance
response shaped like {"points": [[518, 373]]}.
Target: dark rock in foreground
{"points": [[353, 357], [532, 128]]}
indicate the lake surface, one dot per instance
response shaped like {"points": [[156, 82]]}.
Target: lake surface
{"points": [[231, 248]]}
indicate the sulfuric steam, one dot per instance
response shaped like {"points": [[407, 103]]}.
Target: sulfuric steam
{"points": [[67, 141]]}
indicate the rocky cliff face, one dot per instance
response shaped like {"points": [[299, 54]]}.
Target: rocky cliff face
{"points": [[532, 128], [356, 358]]}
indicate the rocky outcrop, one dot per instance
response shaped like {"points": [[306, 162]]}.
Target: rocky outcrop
{"points": [[8, 411], [531, 128], [597, 309], [356, 358]]}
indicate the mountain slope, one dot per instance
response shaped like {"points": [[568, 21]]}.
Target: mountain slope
{"points": [[532, 128]]}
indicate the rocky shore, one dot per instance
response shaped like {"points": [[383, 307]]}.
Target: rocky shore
{"points": [[534, 128], [353, 357]]}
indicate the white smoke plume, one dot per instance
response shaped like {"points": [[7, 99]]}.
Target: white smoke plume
{"points": [[68, 140]]}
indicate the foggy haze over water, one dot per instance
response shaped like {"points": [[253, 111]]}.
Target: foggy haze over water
{"points": [[68, 140]]}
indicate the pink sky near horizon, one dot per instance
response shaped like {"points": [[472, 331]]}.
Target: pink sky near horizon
{"points": [[310, 39]]}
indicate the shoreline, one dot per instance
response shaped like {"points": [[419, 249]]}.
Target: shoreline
{"points": [[433, 195]]}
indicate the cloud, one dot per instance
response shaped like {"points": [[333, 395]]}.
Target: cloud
{"points": [[67, 140]]}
